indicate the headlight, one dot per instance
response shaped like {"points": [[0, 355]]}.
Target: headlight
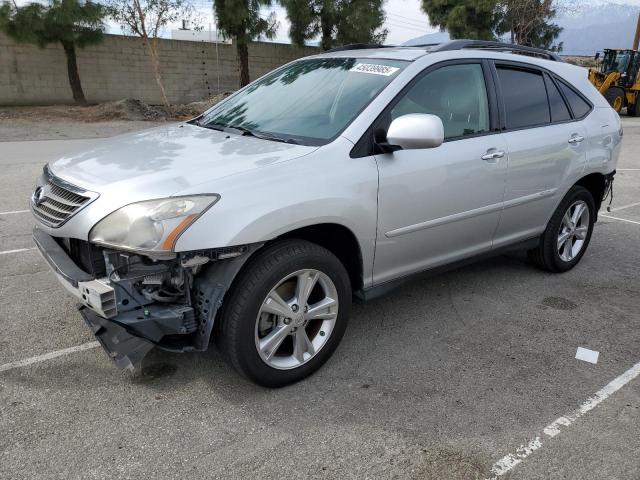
{"points": [[152, 226]]}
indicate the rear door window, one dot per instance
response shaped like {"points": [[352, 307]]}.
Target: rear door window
{"points": [[559, 110], [525, 98], [579, 106]]}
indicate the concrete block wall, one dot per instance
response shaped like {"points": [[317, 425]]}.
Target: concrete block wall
{"points": [[120, 68]]}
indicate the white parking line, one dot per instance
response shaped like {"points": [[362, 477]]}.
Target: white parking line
{"points": [[621, 219], [14, 212], [17, 250], [625, 206], [508, 462], [48, 356]]}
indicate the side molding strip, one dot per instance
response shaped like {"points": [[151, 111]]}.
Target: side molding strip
{"points": [[444, 220], [470, 213]]}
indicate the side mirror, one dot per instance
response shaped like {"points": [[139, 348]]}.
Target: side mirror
{"points": [[414, 131], [597, 56]]}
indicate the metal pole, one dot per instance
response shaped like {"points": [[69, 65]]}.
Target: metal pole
{"points": [[215, 19], [636, 39]]}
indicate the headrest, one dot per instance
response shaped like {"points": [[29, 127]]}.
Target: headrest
{"points": [[460, 98]]}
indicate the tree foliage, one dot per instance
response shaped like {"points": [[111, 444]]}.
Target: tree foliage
{"points": [[529, 22], [241, 21], [337, 22], [72, 23], [147, 19], [476, 19]]}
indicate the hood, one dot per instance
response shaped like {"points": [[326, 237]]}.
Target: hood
{"points": [[166, 160]]}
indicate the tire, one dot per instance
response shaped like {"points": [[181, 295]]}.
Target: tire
{"points": [[633, 110], [552, 255], [247, 317], [615, 97]]}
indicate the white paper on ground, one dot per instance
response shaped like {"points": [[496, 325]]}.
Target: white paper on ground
{"points": [[587, 355]]}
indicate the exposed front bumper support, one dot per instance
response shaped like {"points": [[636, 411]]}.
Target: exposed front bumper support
{"points": [[93, 293], [126, 350]]}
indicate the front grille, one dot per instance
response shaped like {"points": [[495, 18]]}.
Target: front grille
{"points": [[85, 255], [88, 257], [55, 201]]}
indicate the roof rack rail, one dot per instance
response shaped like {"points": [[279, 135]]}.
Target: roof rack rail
{"points": [[356, 46], [497, 46]]}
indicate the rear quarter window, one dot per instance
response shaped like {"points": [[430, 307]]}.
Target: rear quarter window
{"points": [[559, 110], [579, 105]]}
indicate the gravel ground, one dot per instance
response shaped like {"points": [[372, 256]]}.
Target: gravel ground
{"points": [[23, 129], [437, 380], [58, 122]]}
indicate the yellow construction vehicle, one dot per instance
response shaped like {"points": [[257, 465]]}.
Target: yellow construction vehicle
{"points": [[618, 79], [618, 76]]}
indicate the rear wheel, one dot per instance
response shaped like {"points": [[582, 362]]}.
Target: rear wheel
{"points": [[568, 233], [615, 97], [286, 313]]}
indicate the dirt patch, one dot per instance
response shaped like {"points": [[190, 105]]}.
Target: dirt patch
{"points": [[559, 303], [194, 109], [129, 109], [586, 62], [439, 464]]}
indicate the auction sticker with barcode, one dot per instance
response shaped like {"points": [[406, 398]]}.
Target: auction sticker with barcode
{"points": [[375, 69]]}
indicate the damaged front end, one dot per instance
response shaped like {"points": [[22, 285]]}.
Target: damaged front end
{"points": [[132, 302]]}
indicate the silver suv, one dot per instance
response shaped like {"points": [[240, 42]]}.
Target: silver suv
{"points": [[334, 176]]}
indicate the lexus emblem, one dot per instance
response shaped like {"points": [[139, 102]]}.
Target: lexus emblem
{"points": [[38, 196]]}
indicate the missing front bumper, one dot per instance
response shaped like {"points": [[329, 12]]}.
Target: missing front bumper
{"points": [[128, 324], [127, 351], [93, 293], [128, 335]]}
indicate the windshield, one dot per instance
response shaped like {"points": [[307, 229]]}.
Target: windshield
{"points": [[615, 61], [308, 102]]}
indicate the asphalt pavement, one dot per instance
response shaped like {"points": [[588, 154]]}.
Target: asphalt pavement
{"points": [[455, 376]]}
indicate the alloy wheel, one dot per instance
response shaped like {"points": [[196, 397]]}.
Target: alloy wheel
{"points": [[573, 230], [296, 319]]}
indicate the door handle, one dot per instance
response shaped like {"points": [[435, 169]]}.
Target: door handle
{"points": [[492, 154], [575, 139]]}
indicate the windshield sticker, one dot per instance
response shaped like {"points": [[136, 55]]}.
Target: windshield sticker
{"points": [[375, 69]]}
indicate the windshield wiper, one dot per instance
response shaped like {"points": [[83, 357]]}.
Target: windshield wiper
{"points": [[212, 126], [264, 136], [243, 130], [223, 127]]}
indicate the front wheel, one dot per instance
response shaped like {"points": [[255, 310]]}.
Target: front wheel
{"points": [[286, 313], [568, 233], [615, 97]]}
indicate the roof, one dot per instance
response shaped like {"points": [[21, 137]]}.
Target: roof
{"points": [[392, 53], [413, 52]]}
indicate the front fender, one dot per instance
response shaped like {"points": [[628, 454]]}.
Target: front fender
{"points": [[326, 186]]}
